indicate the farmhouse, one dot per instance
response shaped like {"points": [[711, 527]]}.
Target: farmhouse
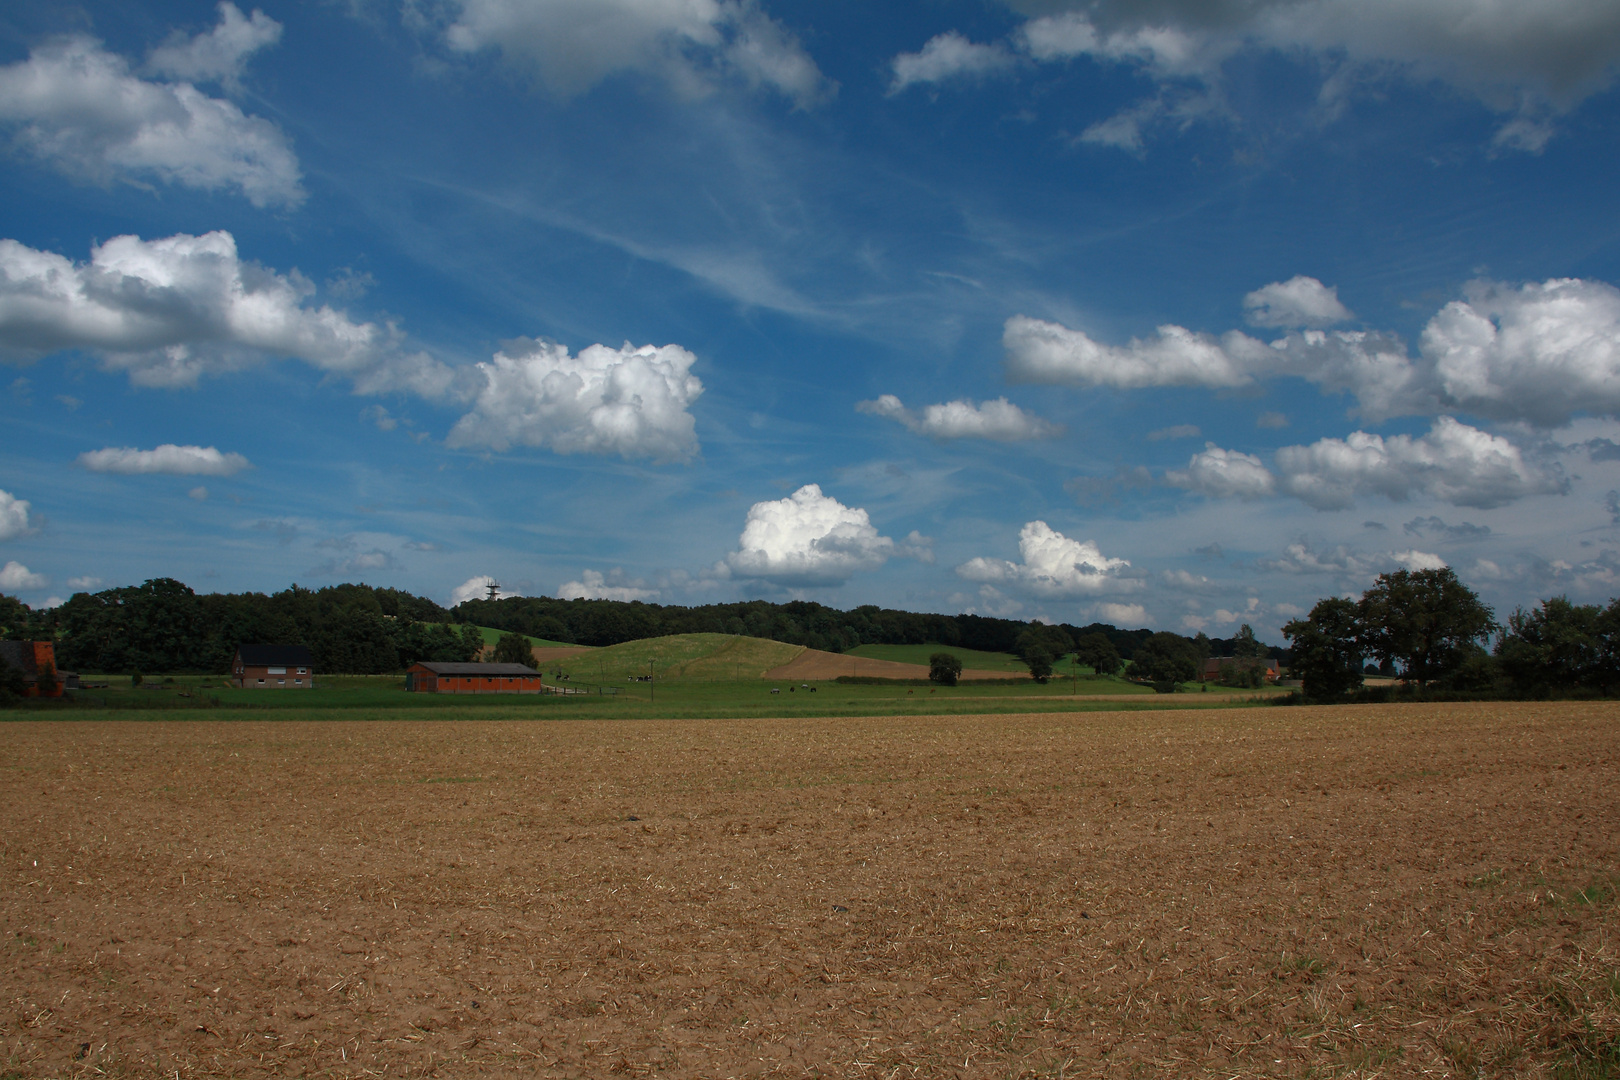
{"points": [[434, 677], [273, 667], [1267, 666], [37, 662]]}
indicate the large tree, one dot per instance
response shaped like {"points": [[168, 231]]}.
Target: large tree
{"points": [[1424, 620], [1165, 660], [944, 668], [1039, 662], [1327, 650], [1098, 653], [513, 648]]}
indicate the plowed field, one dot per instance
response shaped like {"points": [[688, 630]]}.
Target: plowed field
{"points": [[1360, 891]]}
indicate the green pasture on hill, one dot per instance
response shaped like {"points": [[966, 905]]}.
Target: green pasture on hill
{"points": [[492, 635], [678, 658]]}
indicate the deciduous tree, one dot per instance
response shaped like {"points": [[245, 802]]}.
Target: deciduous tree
{"points": [[513, 648], [1327, 649], [1424, 620]]}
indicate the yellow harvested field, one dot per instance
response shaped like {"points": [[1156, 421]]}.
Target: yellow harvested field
{"points": [[1340, 892]]}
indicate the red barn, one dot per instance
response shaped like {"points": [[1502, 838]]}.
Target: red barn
{"points": [[434, 677]]}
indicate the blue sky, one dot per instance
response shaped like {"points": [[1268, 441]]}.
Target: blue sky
{"points": [[1160, 313]]}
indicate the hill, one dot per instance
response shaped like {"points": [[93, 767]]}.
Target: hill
{"points": [[690, 657]]}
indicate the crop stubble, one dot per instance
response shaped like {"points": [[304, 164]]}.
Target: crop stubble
{"points": [[1347, 892]]}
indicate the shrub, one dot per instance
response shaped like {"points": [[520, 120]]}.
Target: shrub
{"points": [[944, 668]]}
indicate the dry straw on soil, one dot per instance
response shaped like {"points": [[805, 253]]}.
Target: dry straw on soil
{"points": [[1392, 891]]}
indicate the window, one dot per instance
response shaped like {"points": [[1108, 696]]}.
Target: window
{"points": [[303, 671], [278, 671], [281, 682]]}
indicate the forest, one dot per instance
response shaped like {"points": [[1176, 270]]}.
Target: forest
{"points": [[162, 625]]}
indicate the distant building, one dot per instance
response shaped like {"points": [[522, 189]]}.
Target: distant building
{"points": [[273, 667], [34, 659], [1267, 666], [434, 677]]}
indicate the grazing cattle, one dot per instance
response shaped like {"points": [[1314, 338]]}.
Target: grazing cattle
{"points": [[776, 690]]}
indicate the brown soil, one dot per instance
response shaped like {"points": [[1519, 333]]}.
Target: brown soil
{"points": [[815, 664], [1361, 891]]}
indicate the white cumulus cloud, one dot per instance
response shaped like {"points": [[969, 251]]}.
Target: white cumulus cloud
{"points": [[808, 539], [1299, 301], [80, 109], [1419, 560], [1121, 615], [1053, 565], [171, 310], [15, 576], [692, 44], [219, 54], [1000, 419], [1539, 352], [1224, 474], [1048, 352], [629, 401], [13, 515], [169, 459], [594, 585], [945, 57], [1453, 462]]}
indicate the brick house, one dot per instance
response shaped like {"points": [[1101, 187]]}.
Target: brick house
{"points": [[436, 677], [33, 659], [273, 667]]}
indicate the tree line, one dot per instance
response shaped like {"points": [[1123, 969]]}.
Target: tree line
{"points": [[1430, 629], [162, 625]]}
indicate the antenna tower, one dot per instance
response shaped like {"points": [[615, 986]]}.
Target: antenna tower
{"points": [[494, 588]]}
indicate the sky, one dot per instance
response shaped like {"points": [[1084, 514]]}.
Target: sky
{"points": [[1166, 313]]}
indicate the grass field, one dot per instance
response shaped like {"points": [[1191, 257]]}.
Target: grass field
{"points": [[695, 676], [1350, 892], [919, 654], [492, 635], [383, 697]]}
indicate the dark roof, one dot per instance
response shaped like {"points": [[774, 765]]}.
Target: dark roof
{"points": [[18, 654], [274, 656], [441, 668]]}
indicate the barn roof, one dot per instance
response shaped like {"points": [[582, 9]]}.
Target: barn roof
{"points": [[442, 668], [274, 656]]}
